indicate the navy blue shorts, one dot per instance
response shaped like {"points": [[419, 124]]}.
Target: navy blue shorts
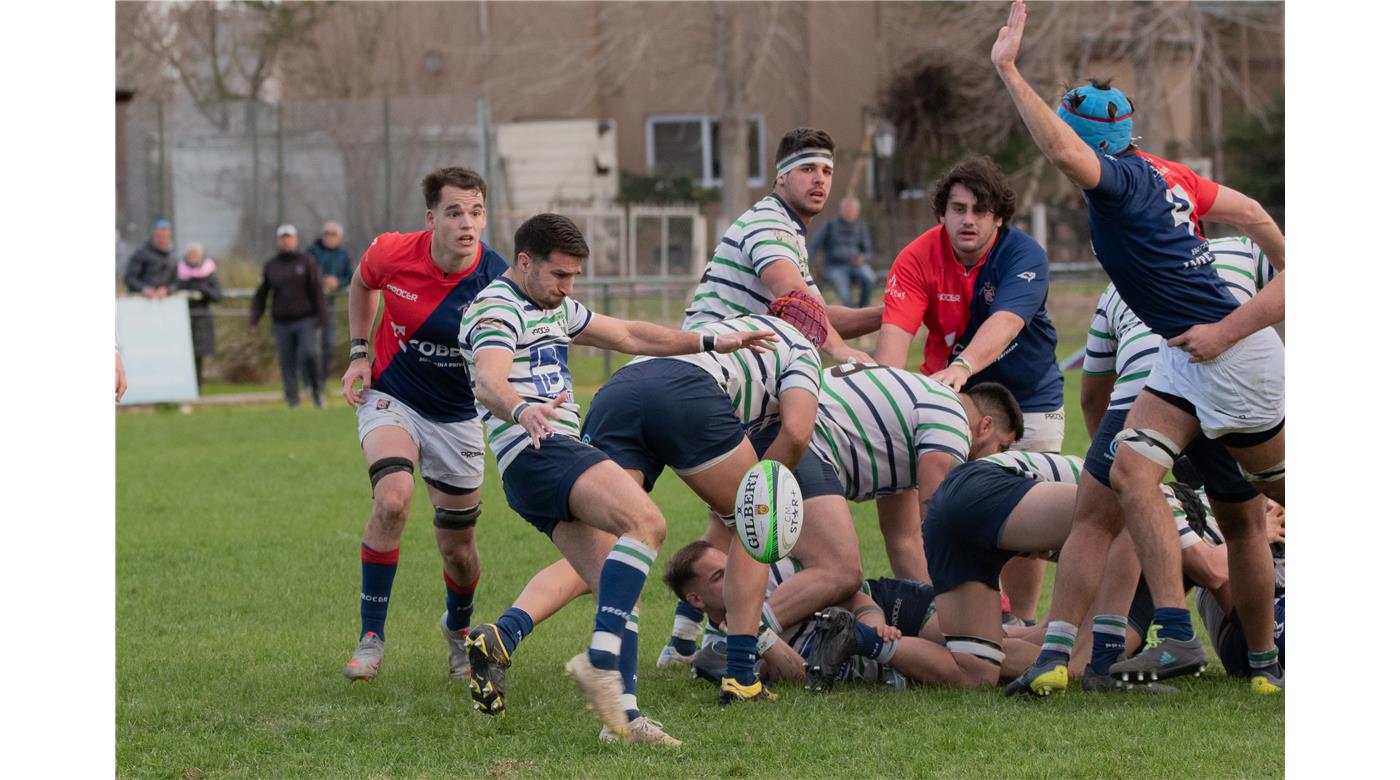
{"points": [[963, 526], [1213, 463], [1233, 649], [815, 477], [907, 604], [538, 481], [662, 413]]}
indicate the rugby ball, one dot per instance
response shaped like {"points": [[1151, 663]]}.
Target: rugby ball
{"points": [[768, 511]]}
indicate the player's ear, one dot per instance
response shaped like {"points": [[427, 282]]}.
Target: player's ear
{"points": [[694, 600]]}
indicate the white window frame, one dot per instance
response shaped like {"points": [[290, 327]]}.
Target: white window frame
{"points": [[707, 153]]}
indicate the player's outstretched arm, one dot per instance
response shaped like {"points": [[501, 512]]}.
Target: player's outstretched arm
{"points": [[1235, 208], [635, 337], [900, 521], [992, 339], [1056, 140], [849, 322], [1095, 391], [797, 414], [893, 347]]}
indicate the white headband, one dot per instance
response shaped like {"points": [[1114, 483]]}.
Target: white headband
{"points": [[802, 157]]}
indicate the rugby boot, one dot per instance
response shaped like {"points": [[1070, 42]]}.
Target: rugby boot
{"points": [[1040, 679], [670, 656], [458, 661], [835, 642], [1266, 682], [642, 730], [1093, 682], [1161, 659], [369, 654], [487, 663], [731, 691], [603, 690]]}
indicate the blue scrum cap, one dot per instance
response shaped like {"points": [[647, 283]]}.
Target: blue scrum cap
{"points": [[1103, 118]]}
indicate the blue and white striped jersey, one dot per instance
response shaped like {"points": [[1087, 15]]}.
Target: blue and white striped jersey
{"points": [[769, 232], [503, 317], [873, 423]]}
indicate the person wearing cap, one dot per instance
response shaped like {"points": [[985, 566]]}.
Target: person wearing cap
{"points": [[336, 271], [298, 311], [150, 270], [1219, 372]]}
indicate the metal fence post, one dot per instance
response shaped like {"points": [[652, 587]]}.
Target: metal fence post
{"points": [[607, 312]]}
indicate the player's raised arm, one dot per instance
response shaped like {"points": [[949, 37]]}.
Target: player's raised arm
{"points": [[1055, 138], [635, 337]]}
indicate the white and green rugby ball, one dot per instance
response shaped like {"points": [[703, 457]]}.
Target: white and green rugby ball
{"points": [[768, 511]]}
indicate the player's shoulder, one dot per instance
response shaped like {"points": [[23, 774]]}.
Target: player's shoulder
{"points": [[396, 248], [1016, 245], [493, 262]]}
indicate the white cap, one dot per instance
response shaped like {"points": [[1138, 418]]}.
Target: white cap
{"points": [[286, 230]]}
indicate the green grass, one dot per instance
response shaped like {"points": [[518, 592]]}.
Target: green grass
{"points": [[237, 579]]}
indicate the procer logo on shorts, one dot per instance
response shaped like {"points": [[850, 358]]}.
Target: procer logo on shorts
{"points": [[472, 453]]}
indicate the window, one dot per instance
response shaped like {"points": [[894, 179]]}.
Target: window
{"points": [[689, 145]]}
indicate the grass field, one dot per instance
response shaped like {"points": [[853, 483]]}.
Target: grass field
{"points": [[237, 580]]}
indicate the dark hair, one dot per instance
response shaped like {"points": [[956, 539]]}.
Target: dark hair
{"points": [[988, 184], [800, 138], [680, 570], [995, 401], [456, 176], [542, 234]]}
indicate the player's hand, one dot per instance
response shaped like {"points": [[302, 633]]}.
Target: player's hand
{"points": [[121, 378], [148, 292], [1203, 342], [357, 371], [848, 354], [758, 341], [888, 633], [1273, 516], [953, 376], [1008, 43], [535, 419]]}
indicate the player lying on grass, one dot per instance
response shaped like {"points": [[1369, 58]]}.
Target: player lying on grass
{"points": [[690, 413], [516, 336], [885, 434], [1120, 354], [1144, 220], [985, 512]]}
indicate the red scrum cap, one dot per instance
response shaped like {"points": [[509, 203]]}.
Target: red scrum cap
{"points": [[803, 311]]}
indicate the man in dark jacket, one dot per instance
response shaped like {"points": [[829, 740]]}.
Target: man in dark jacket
{"points": [[298, 309], [198, 275], [151, 270], [336, 269]]}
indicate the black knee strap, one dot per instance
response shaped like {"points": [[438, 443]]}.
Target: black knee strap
{"points": [[455, 519], [385, 466]]}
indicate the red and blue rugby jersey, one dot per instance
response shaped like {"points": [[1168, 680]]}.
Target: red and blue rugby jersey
{"points": [[416, 358], [1144, 226]]}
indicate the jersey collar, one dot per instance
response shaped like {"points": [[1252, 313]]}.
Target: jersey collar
{"points": [[796, 219]]}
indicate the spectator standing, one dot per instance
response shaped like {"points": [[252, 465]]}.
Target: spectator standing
{"points": [[197, 274], [298, 309], [336, 269], [845, 244], [150, 270]]}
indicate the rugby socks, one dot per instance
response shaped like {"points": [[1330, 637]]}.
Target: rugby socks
{"points": [[870, 645], [376, 580], [1265, 662], [740, 657], [1110, 640], [1058, 642], [460, 602], [687, 628], [627, 665], [514, 625], [619, 585], [1173, 623]]}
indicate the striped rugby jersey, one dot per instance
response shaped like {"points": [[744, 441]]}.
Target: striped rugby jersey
{"points": [[754, 380], [769, 232], [873, 423], [502, 317], [1049, 466], [1120, 344]]}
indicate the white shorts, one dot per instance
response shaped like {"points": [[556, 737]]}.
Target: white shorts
{"points": [[1044, 431], [1241, 391], [451, 453]]}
